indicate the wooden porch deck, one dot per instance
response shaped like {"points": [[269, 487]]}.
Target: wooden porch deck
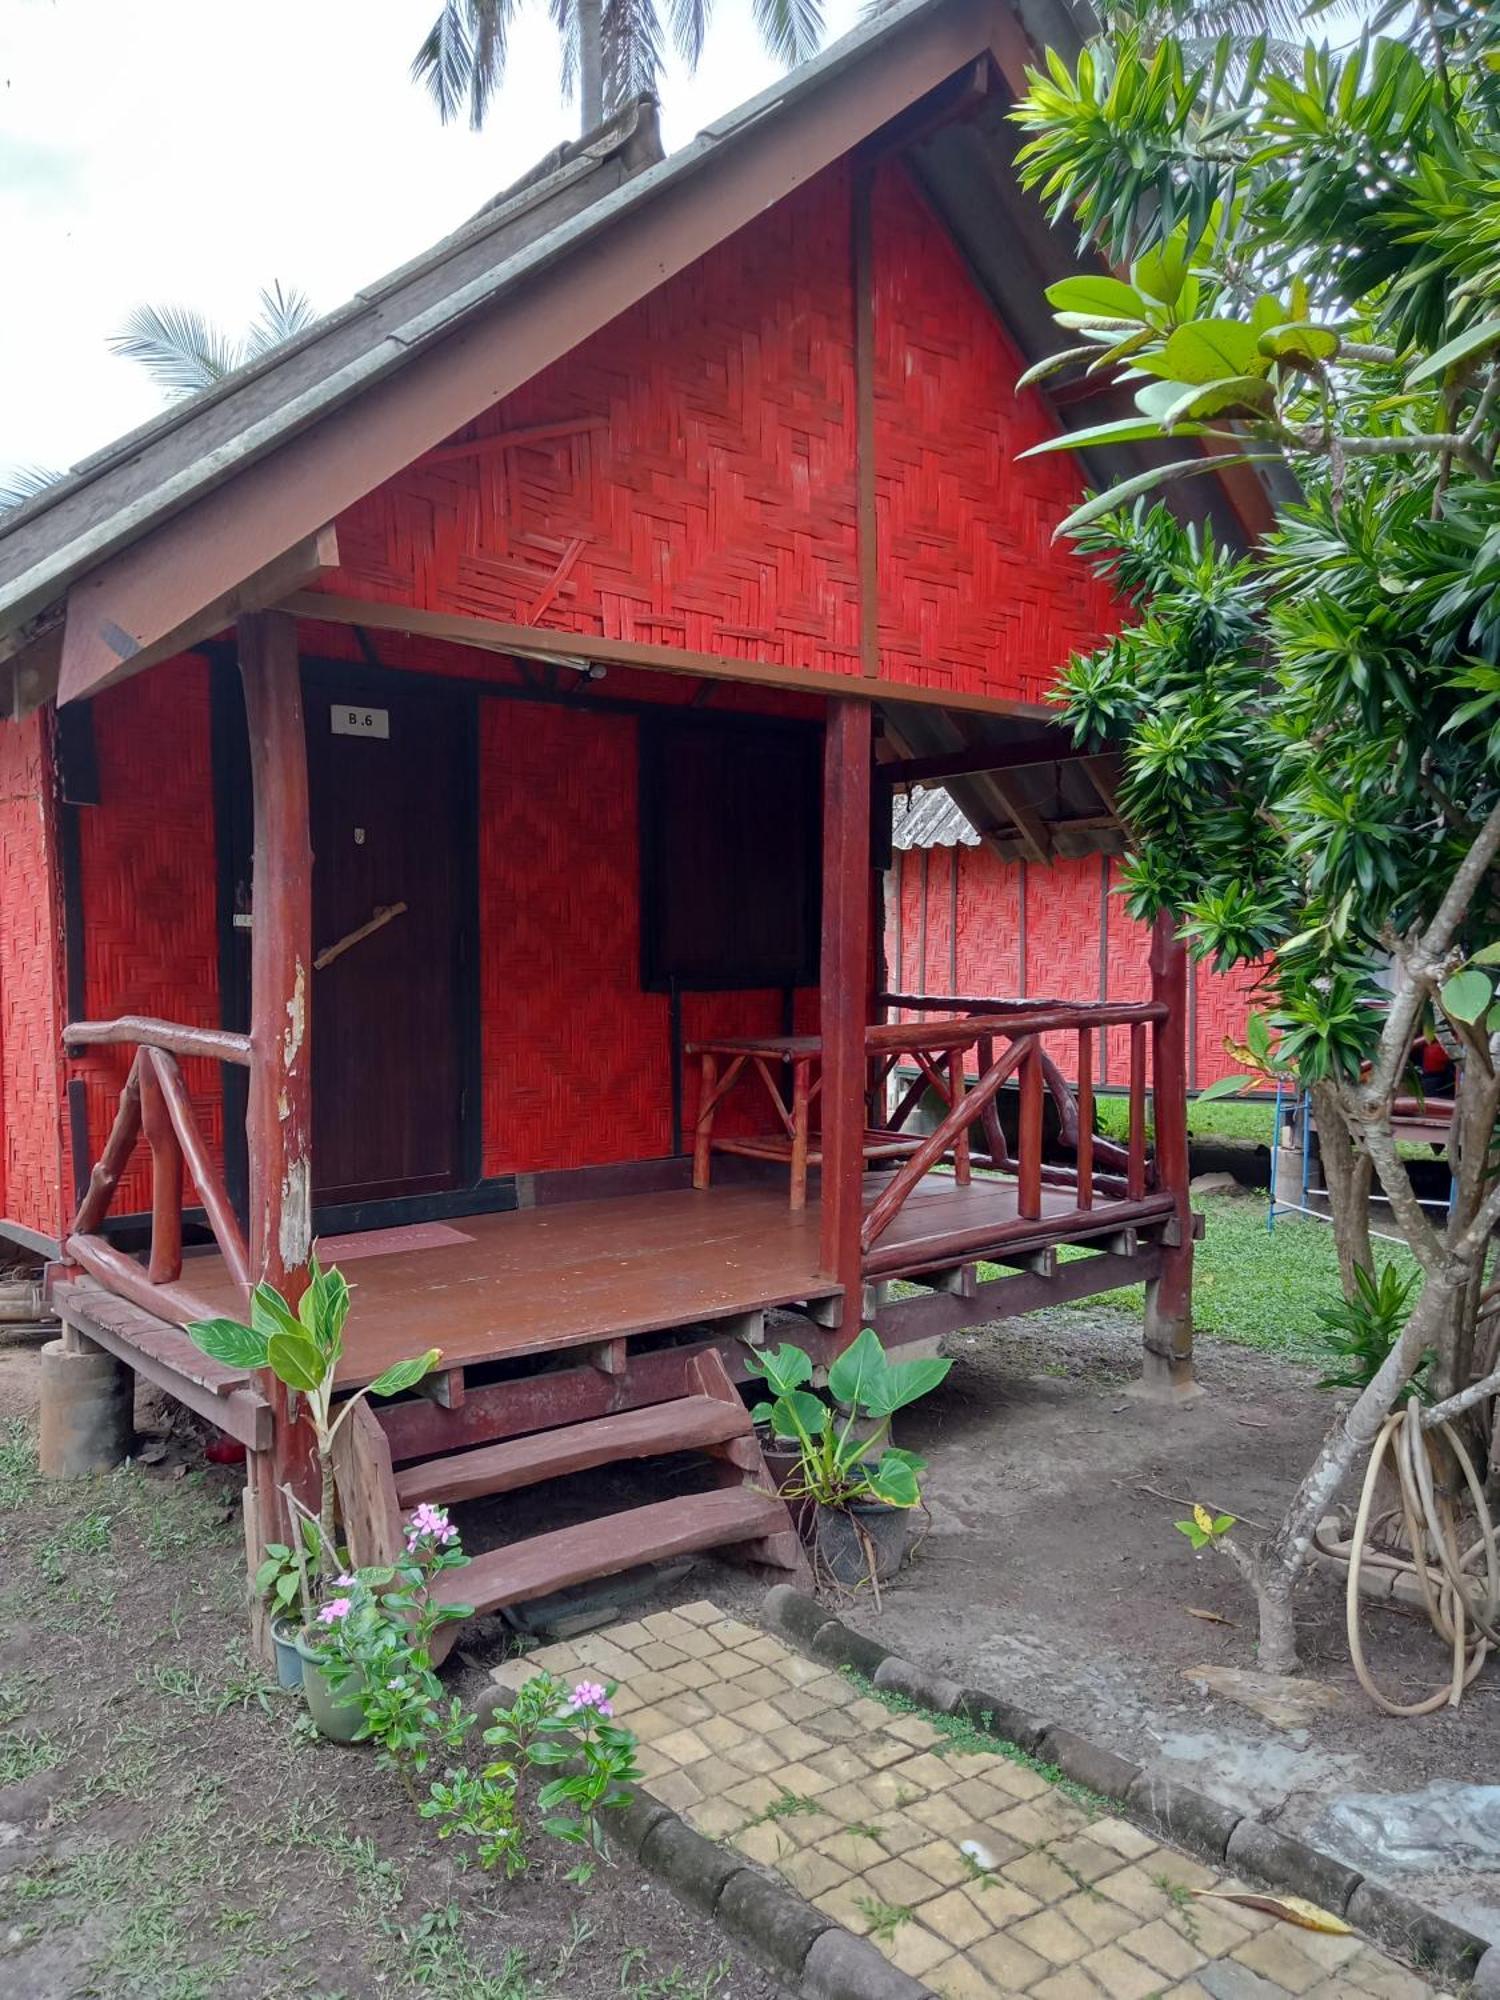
{"points": [[534, 1281]]}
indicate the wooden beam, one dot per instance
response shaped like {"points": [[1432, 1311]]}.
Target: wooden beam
{"points": [[492, 635], [126, 616], [29, 675], [279, 1115], [976, 761], [866, 526], [1169, 1297], [844, 979], [1029, 822], [1104, 772]]}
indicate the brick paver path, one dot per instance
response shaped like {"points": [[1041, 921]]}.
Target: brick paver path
{"points": [[867, 1810]]}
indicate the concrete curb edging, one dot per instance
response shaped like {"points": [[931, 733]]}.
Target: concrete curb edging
{"points": [[1220, 1835], [816, 1957]]}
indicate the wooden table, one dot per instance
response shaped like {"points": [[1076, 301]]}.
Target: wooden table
{"points": [[795, 1143]]}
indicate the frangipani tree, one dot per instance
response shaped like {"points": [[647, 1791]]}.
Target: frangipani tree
{"points": [[1307, 267]]}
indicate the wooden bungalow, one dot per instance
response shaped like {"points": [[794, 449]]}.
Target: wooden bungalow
{"points": [[445, 799]]}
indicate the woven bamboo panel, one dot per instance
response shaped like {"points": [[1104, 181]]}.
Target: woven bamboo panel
{"points": [[989, 930], [577, 1062], [146, 861], [1223, 1002], [33, 1145], [973, 593], [709, 501]]}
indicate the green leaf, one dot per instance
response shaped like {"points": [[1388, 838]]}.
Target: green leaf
{"points": [[270, 1313], [785, 1368], [1212, 399], [1300, 339], [1226, 1086], [1208, 350], [857, 1370], [1487, 955], [903, 1383], [1041, 369], [797, 1406], [1124, 430], [296, 1362], [228, 1341], [1143, 482], [1466, 995], [405, 1374], [1162, 272], [894, 1482], [1097, 297], [1474, 341]]}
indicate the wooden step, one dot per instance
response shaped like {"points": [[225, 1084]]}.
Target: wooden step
{"points": [[687, 1423], [604, 1547]]}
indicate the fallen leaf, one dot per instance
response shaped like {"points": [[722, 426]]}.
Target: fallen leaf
{"points": [[1212, 1617], [1291, 1909]]}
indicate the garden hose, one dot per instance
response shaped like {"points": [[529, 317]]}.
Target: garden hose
{"points": [[1459, 1588]]}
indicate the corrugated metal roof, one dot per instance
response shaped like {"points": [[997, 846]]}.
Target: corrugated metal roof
{"points": [[930, 819]]}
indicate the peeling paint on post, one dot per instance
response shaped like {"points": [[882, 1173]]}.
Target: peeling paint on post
{"points": [[279, 1116]]}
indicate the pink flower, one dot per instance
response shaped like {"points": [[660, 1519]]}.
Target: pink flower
{"points": [[429, 1523], [338, 1608], [589, 1694]]}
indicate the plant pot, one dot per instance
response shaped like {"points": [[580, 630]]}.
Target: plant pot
{"points": [[783, 1462], [841, 1548], [288, 1659], [337, 1717]]}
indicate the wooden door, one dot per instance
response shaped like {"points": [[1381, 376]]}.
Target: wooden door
{"points": [[392, 837]]}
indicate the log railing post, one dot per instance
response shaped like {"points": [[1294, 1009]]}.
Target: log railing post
{"points": [[848, 756], [165, 1261], [279, 1114], [1169, 1297]]}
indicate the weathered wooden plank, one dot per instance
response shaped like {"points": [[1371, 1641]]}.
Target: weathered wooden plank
{"points": [[844, 990], [688, 1423]]}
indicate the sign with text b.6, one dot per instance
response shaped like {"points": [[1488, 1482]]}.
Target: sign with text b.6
{"points": [[349, 721]]}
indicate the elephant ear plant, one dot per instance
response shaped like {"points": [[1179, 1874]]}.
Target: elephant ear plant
{"points": [[843, 1464], [303, 1349]]}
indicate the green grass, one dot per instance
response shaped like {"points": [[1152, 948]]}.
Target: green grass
{"points": [[1220, 1118], [1258, 1287]]}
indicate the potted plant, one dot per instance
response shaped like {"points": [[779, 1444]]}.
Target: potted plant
{"points": [[303, 1349], [283, 1581], [857, 1487]]}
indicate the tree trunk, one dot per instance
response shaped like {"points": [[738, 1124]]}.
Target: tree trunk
{"points": [[1272, 1570], [591, 63], [1347, 1170]]}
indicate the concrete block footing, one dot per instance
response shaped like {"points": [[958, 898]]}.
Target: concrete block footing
{"points": [[87, 1411]]}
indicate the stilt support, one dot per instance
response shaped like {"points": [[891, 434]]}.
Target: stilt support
{"points": [[1168, 1372], [87, 1409]]}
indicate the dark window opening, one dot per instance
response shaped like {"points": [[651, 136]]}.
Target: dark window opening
{"points": [[731, 854]]}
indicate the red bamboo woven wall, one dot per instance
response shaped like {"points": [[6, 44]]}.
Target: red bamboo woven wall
{"points": [[1065, 905], [708, 504], [146, 862], [33, 1148], [974, 595], [701, 494]]}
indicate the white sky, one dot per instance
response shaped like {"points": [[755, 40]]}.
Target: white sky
{"points": [[186, 151]]}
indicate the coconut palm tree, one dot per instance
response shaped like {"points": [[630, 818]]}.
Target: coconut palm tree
{"points": [[183, 351], [611, 49]]}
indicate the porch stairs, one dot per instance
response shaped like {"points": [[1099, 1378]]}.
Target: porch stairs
{"points": [[706, 1415]]}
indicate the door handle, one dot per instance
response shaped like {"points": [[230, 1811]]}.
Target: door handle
{"points": [[383, 914]]}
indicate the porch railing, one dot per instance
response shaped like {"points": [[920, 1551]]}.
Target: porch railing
{"points": [[1006, 1039], [155, 1106]]}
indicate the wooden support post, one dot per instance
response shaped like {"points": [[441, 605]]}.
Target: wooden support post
{"points": [[847, 758], [279, 1115], [1168, 1372]]}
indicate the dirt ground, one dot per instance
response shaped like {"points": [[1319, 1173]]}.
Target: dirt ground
{"points": [[168, 1831]]}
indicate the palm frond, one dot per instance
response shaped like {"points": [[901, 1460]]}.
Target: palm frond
{"points": [[284, 310], [23, 482], [689, 23], [792, 30], [177, 346], [445, 61], [491, 41], [632, 50], [565, 19]]}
